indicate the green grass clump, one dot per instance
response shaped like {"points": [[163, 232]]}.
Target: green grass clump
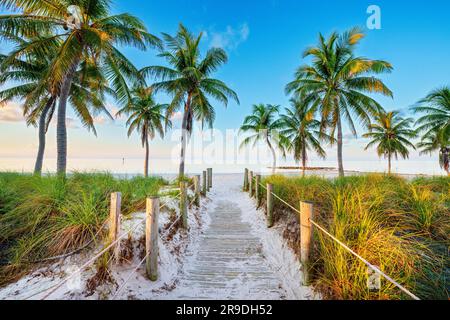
{"points": [[401, 226], [41, 217]]}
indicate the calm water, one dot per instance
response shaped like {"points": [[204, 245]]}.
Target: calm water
{"points": [[167, 166]]}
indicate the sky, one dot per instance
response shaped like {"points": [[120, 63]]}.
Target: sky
{"points": [[264, 40]]}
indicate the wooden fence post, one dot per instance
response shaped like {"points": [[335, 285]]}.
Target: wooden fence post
{"points": [[245, 180], [209, 178], [269, 205], [250, 183], [257, 188], [306, 214], [183, 204], [151, 237], [197, 190], [204, 186], [114, 222]]}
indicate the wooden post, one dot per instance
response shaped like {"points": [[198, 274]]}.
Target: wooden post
{"points": [[269, 205], [114, 222], [257, 190], [183, 204], [204, 186], [209, 178], [245, 180], [197, 190], [306, 214], [250, 183], [151, 237]]}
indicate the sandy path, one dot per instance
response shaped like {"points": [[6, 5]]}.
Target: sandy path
{"points": [[236, 256]]}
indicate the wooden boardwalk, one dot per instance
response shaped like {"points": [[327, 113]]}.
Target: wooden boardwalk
{"points": [[229, 262]]}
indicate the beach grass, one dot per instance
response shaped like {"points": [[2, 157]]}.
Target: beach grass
{"points": [[46, 216], [399, 225]]}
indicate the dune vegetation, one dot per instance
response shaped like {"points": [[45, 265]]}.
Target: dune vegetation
{"points": [[399, 225], [42, 217]]}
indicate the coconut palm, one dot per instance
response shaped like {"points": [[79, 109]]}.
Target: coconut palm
{"points": [[86, 94], [437, 141], [436, 109], [87, 31], [392, 135], [302, 132], [145, 117], [336, 83], [188, 80], [263, 125]]}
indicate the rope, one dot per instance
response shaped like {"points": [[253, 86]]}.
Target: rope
{"points": [[371, 266], [145, 257], [129, 276], [92, 260], [57, 286]]}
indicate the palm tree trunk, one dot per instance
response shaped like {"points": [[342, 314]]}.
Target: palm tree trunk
{"points": [[304, 159], [339, 147], [389, 163], [274, 164], [61, 128], [146, 157], [446, 160], [184, 136], [42, 131]]}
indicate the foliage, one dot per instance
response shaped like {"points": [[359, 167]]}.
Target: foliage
{"points": [[401, 226]]}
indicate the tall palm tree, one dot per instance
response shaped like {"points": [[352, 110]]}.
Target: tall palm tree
{"points": [[39, 102], [436, 109], [437, 141], [87, 31], [302, 132], [263, 125], [392, 135], [336, 82], [188, 80], [145, 117]]}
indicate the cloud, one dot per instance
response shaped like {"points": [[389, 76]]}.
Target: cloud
{"points": [[229, 39], [11, 112]]}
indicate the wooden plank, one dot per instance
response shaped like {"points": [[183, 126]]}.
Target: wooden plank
{"points": [[269, 205], [151, 237], [114, 222], [183, 204], [197, 190], [306, 214]]}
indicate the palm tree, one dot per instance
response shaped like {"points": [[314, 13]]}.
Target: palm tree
{"points": [[87, 31], [302, 132], [188, 80], [336, 82], [145, 117], [392, 135], [436, 107], [86, 94], [437, 141], [264, 126]]}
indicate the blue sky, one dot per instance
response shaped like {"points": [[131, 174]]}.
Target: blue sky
{"points": [[265, 40]]}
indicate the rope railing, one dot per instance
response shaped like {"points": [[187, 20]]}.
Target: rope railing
{"points": [[53, 288], [346, 247], [84, 266], [166, 232]]}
